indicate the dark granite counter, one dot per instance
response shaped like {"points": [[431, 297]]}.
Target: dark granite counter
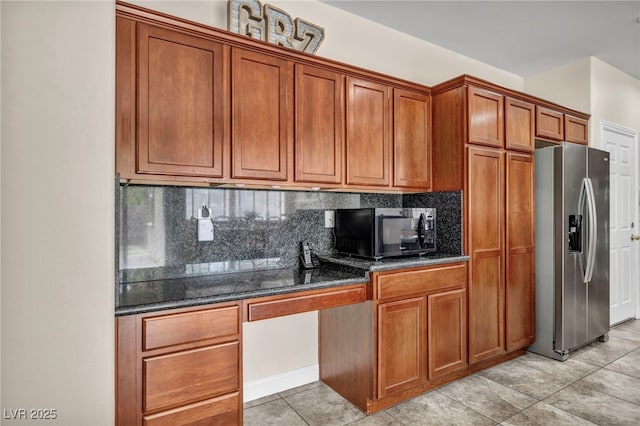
{"points": [[142, 293], [147, 296], [394, 263]]}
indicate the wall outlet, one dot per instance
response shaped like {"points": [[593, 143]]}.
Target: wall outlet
{"points": [[329, 219], [205, 230]]}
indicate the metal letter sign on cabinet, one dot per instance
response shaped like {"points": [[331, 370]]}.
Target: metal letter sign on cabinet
{"points": [[273, 25]]}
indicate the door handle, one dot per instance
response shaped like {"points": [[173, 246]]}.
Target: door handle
{"points": [[635, 237]]}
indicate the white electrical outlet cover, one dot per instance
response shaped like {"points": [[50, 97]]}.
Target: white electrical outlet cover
{"points": [[205, 230]]}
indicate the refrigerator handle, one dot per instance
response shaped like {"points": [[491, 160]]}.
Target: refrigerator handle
{"points": [[593, 230]]}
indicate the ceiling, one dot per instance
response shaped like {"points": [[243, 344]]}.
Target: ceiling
{"points": [[522, 37]]}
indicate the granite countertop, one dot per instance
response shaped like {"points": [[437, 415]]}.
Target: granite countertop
{"points": [[394, 262], [147, 296], [140, 295]]}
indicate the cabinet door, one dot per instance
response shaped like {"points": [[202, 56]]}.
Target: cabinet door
{"points": [[520, 282], [485, 218], [411, 144], [519, 125], [447, 332], [182, 95], [367, 133], [402, 343], [549, 124], [319, 125], [260, 115], [576, 130], [486, 120]]}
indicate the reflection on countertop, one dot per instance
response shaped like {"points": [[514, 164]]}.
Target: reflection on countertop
{"points": [[391, 263], [146, 296], [142, 293]]}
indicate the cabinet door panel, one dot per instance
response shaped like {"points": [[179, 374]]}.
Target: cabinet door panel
{"points": [[260, 115], [367, 133], [447, 332], [411, 144], [181, 96], [576, 130], [486, 123], [520, 238], [319, 125], [520, 125], [549, 124], [486, 287], [401, 345]]}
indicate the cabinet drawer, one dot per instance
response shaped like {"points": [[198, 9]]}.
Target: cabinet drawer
{"points": [[422, 281], [304, 303], [224, 410], [185, 377], [175, 329]]}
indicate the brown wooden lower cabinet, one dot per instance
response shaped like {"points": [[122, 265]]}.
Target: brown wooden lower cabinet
{"points": [[410, 338], [179, 367]]}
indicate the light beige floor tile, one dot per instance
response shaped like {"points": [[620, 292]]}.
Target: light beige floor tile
{"points": [[545, 414], [570, 370], [434, 409], [377, 419], [525, 379], [628, 364], [276, 412], [595, 406], [602, 353], [320, 405], [614, 384], [487, 397]]}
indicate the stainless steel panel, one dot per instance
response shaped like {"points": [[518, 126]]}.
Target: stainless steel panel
{"points": [[571, 310], [598, 288]]}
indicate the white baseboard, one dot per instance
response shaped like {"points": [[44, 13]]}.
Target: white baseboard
{"points": [[280, 382]]}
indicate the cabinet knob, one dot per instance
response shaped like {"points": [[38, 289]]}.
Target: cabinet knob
{"points": [[635, 237]]}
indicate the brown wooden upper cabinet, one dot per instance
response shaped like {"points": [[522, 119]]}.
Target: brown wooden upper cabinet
{"points": [[319, 118], [411, 141], [519, 125], [576, 130], [549, 124], [260, 115], [486, 120], [368, 133], [181, 97]]}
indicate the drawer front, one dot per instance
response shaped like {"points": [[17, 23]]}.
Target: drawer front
{"points": [[175, 329], [305, 303], [185, 377], [224, 410], [421, 281]]}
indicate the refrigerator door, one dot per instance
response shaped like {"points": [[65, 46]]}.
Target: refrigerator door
{"points": [[570, 167], [598, 287]]}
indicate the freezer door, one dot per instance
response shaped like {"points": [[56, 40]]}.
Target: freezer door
{"points": [[598, 288], [570, 168]]}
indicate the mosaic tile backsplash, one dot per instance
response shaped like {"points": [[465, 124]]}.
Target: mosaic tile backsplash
{"points": [[253, 229]]}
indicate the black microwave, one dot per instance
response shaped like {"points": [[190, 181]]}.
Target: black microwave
{"points": [[385, 232]]}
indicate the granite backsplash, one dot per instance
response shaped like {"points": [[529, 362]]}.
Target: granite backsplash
{"points": [[253, 229]]}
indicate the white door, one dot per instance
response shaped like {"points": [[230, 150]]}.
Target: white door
{"points": [[621, 144]]}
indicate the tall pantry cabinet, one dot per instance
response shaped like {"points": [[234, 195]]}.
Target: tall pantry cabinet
{"points": [[490, 136]]}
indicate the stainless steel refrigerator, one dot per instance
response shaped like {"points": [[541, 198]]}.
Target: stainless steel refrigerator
{"points": [[572, 248]]}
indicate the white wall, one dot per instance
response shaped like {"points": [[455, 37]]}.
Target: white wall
{"points": [[568, 85], [615, 97], [357, 41], [592, 86], [58, 101]]}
